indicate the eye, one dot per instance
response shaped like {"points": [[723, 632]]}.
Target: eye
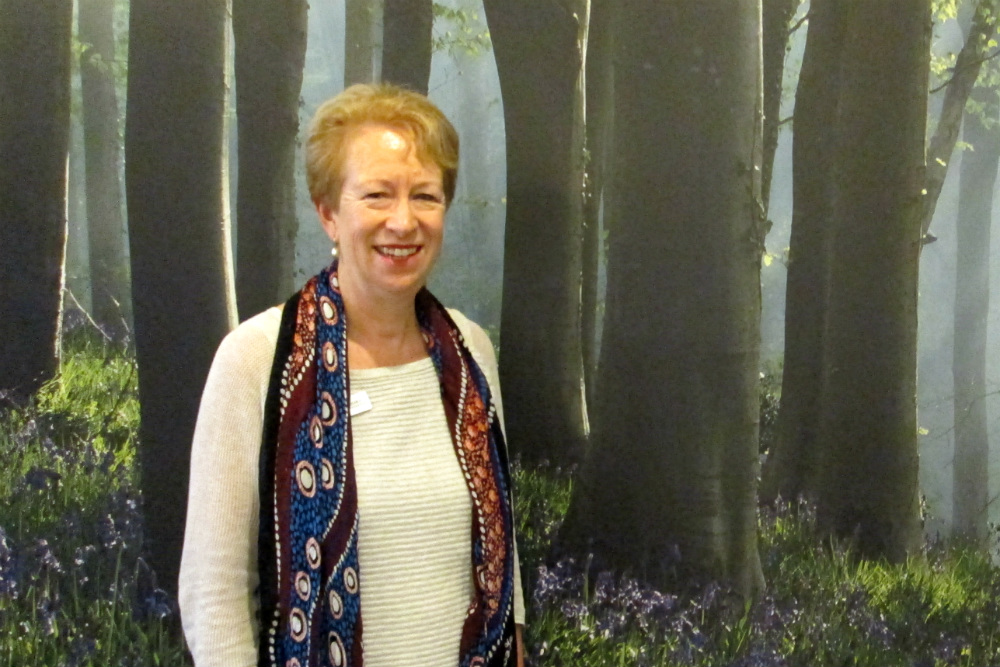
{"points": [[428, 197], [378, 194]]}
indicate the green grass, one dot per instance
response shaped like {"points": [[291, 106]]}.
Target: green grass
{"points": [[74, 590]]}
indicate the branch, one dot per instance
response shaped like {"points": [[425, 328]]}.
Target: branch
{"points": [[798, 24], [966, 71], [955, 71]]}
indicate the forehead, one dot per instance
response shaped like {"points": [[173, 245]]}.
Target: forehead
{"points": [[373, 149]]}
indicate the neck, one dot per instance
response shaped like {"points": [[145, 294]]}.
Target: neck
{"points": [[382, 332]]}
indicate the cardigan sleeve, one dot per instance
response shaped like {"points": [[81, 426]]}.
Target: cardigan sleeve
{"points": [[482, 349], [218, 575]]}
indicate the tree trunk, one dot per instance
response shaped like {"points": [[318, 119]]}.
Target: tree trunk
{"points": [[597, 193], [360, 17], [792, 465], [868, 428], [270, 51], [673, 455], [179, 238], [541, 364], [967, 65], [34, 144], [406, 43], [972, 299], [105, 220], [777, 15]]}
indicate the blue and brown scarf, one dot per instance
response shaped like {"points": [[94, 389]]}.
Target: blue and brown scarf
{"points": [[310, 605]]}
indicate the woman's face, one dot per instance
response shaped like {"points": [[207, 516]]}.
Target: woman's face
{"points": [[389, 221]]}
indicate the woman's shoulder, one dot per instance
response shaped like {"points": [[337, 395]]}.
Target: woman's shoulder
{"points": [[252, 343], [475, 336]]}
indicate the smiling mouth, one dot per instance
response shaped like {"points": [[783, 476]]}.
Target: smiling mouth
{"points": [[397, 251]]}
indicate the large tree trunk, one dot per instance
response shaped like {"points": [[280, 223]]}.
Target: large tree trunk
{"points": [[868, 428], [792, 466], [360, 20], [406, 43], [105, 220], [179, 238], [972, 300], [34, 143], [270, 41], [597, 193], [673, 456], [541, 364], [777, 15], [968, 63]]}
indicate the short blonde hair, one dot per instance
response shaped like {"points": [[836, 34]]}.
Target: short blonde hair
{"points": [[338, 118]]}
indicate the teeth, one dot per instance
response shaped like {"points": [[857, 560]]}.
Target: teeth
{"points": [[397, 252]]}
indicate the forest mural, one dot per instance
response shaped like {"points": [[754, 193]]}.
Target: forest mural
{"points": [[734, 258]]}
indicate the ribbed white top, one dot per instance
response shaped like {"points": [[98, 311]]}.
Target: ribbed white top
{"points": [[415, 511], [415, 520]]}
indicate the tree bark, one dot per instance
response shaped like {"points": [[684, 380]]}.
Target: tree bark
{"points": [[972, 299], [359, 41], [597, 193], [179, 239], [868, 429], [34, 144], [103, 152], [270, 51], [406, 43], [673, 455], [967, 66], [777, 15], [541, 364], [793, 464]]}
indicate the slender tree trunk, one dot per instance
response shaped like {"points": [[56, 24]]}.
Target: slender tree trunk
{"points": [[406, 43], [179, 238], [597, 193], [967, 66], [673, 456], [777, 15], [972, 300], [34, 144], [270, 51], [793, 464], [868, 427], [105, 220], [360, 17], [541, 363]]}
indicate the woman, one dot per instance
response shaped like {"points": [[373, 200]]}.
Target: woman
{"points": [[378, 495]]}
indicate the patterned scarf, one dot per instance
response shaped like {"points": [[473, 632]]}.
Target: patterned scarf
{"points": [[310, 606]]}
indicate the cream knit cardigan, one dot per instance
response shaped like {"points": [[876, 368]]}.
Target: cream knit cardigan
{"points": [[414, 596]]}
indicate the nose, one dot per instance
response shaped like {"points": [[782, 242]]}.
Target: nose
{"points": [[402, 218]]}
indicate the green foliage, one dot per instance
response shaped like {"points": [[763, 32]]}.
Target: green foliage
{"points": [[459, 31], [73, 587]]}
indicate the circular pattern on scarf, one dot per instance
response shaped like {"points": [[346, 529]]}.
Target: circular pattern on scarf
{"points": [[329, 310], [305, 475], [293, 662], [428, 341], [336, 605], [334, 282], [316, 431], [478, 660], [336, 650], [303, 586], [327, 409], [312, 553], [297, 625], [326, 473], [351, 580], [330, 357]]}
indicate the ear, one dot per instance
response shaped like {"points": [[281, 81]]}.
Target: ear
{"points": [[327, 218]]}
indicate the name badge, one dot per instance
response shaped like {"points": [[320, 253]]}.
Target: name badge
{"points": [[360, 403]]}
